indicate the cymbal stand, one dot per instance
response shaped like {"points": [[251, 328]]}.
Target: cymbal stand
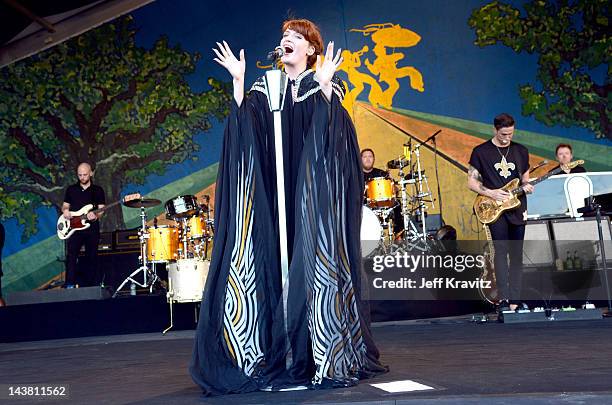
{"points": [[410, 230], [420, 194], [208, 227], [148, 278], [185, 240]]}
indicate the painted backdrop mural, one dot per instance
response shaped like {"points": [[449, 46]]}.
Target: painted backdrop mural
{"points": [[141, 100]]}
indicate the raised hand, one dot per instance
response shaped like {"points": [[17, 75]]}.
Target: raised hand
{"points": [[327, 68], [225, 57], [236, 67]]}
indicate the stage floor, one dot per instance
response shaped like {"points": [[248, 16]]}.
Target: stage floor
{"points": [[544, 363]]}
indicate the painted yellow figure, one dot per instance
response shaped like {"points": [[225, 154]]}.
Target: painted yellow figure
{"points": [[393, 36], [352, 61]]}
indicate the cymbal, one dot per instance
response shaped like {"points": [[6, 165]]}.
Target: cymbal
{"points": [[142, 203]]}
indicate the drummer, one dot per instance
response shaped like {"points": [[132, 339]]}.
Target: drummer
{"points": [[367, 163], [370, 172]]}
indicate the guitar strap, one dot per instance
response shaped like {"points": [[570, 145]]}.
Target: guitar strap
{"points": [[491, 247], [489, 269]]}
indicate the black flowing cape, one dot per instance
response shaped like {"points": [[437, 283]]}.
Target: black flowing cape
{"points": [[253, 332]]}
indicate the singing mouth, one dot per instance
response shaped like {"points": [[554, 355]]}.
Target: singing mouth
{"points": [[287, 49]]}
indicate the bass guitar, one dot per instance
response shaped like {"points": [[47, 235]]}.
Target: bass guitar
{"points": [[78, 219]]}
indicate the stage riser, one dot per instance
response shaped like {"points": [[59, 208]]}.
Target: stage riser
{"points": [[71, 319], [57, 295]]}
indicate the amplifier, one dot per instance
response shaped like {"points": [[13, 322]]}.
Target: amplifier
{"points": [[111, 267], [127, 239], [104, 245], [106, 242]]}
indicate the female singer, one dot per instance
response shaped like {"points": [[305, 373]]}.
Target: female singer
{"points": [[255, 333]]}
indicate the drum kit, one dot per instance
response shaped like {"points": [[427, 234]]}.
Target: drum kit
{"points": [[182, 246], [405, 198]]}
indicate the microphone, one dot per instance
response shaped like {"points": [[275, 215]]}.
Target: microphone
{"points": [[276, 54], [542, 163]]}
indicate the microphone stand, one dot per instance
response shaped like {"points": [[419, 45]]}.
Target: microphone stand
{"points": [[592, 205], [276, 82], [276, 87], [420, 178], [603, 254]]}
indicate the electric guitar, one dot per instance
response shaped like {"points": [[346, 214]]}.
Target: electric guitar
{"points": [[78, 220], [488, 210]]}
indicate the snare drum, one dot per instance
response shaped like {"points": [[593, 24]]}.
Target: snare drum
{"points": [[163, 244], [186, 279], [379, 192], [183, 206], [371, 231]]}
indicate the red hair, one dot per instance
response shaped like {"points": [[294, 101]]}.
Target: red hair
{"points": [[311, 34]]}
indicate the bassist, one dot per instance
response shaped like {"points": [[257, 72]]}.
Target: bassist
{"points": [[493, 164], [77, 196]]}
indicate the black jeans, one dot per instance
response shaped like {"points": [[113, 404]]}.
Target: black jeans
{"points": [[508, 273], [90, 240]]}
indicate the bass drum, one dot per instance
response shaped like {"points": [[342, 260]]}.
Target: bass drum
{"points": [[371, 231], [186, 279]]}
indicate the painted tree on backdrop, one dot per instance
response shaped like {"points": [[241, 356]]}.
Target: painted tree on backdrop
{"points": [[574, 45], [97, 98]]}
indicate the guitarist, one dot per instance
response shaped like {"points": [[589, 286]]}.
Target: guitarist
{"points": [[77, 196], [493, 164], [564, 155]]}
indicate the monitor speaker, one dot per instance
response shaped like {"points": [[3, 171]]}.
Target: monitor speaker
{"points": [[581, 235], [537, 247]]}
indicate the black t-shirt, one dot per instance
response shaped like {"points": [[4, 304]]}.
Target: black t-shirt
{"points": [[374, 173], [577, 169], [487, 158], [78, 197]]}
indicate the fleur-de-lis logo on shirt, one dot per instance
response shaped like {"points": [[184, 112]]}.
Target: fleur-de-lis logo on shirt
{"points": [[504, 167]]}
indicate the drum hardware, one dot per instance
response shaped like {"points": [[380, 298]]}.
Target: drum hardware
{"points": [[386, 220], [419, 196], [209, 224], [149, 277], [401, 161], [410, 232], [184, 239]]}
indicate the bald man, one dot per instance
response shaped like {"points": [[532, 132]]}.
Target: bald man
{"points": [[77, 196]]}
